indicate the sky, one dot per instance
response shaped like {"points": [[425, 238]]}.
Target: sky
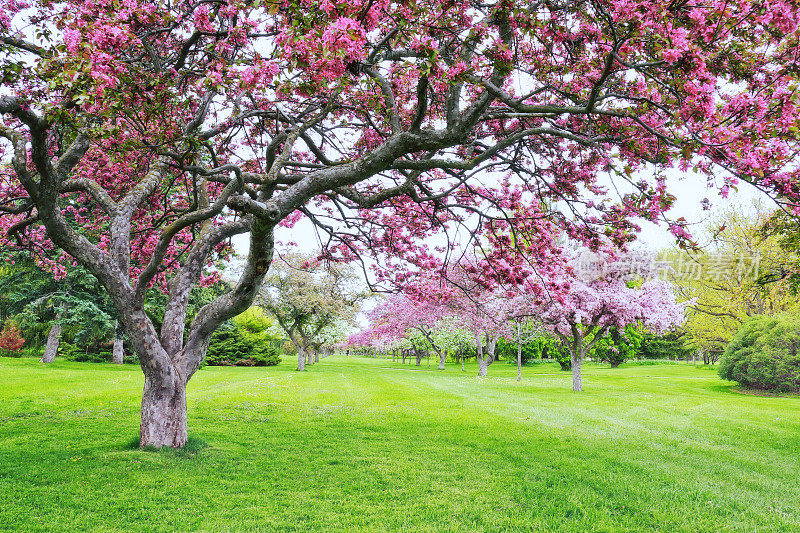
{"points": [[689, 192]]}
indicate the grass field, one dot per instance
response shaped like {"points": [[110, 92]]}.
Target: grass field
{"points": [[369, 445]]}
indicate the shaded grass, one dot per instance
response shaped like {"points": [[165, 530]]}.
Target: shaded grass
{"points": [[371, 445]]}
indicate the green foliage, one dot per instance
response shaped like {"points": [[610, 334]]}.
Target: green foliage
{"points": [[672, 345], [764, 354], [784, 227], [260, 327], [545, 346], [562, 357], [617, 346], [232, 345], [747, 269], [70, 352], [37, 299], [88, 325]]}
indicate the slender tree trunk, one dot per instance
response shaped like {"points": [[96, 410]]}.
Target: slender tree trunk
{"points": [[442, 358], [309, 361], [419, 358], [483, 367], [163, 410], [316, 356], [53, 340], [117, 355], [577, 361], [393, 354], [301, 360], [519, 359]]}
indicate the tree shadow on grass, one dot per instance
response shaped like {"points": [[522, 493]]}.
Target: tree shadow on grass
{"points": [[739, 390], [194, 445]]}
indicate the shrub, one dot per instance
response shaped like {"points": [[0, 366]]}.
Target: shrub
{"points": [[70, 352], [671, 345], [507, 349], [11, 340], [230, 346], [618, 346], [764, 355], [562, 357], [545, 346]]}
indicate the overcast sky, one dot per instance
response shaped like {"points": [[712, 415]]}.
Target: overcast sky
{"points": [[689, 190]]}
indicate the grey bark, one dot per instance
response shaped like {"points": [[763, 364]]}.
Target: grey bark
{"points": [[485, 361], [164, 411], [442, 358], [53, 341], [117, 355], [316, 356], [301, 360], [519, 360], [577, 361], [483, 367]]}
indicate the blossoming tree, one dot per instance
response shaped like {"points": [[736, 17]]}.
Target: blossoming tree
{"points": [[593, 304], [310, 301], [374, 119], [402, 317]]}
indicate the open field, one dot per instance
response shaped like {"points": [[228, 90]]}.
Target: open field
{"points": [[362, 444]]}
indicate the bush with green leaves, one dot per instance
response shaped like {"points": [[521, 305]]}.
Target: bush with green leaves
{"points": [[507, 349], [617, 346], [544, 346], [232, 345], [764, 354], [82, 354], [671, 345]]}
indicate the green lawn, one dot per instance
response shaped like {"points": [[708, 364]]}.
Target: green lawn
{"points": [[358, 444]]}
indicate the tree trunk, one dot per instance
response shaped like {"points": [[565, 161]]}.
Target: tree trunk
{"points": [[117, 354], [53, 340], [309, 361], [483, 366], [419, 358], [491, 344], [393, 354], [577, 361], [301, 360], [163, 411], [442, 357], [519, 359], [316, 356], [462, 362]]}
